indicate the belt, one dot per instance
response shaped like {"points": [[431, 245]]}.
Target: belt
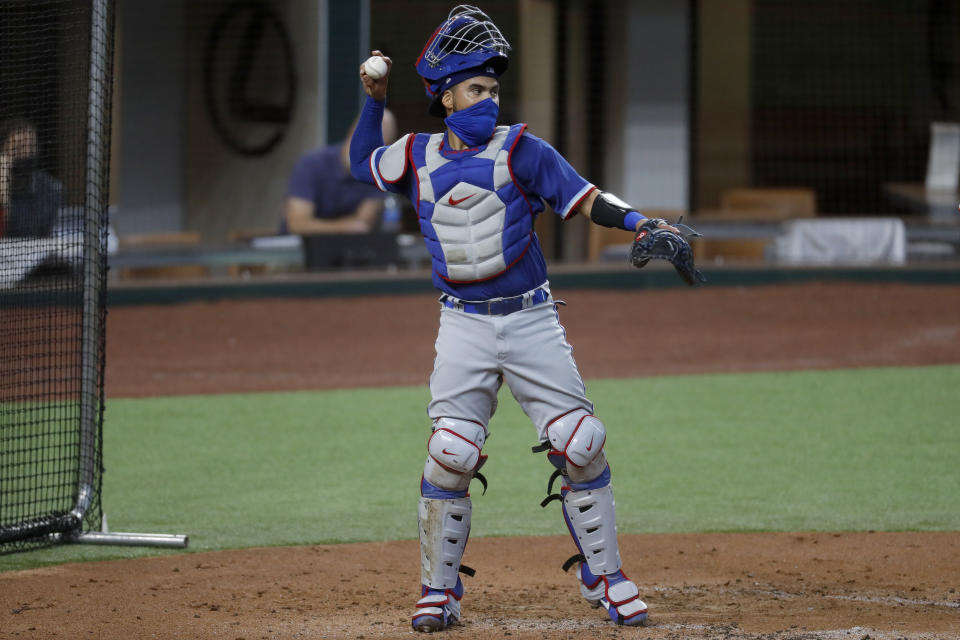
{"points": [[501, 307]]}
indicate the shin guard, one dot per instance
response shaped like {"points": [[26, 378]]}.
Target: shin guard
{"points": [[444, 529], [591, 519], [590, 516]]}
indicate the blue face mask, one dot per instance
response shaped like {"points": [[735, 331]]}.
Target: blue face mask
{"points": [[475, 124]]}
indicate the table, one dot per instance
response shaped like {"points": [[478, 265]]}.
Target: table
{"points": [[20, 256], [936, 203]]}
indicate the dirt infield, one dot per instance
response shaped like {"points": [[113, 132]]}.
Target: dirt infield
{"points": [[298, 344], [882, 585], [784, 585]]}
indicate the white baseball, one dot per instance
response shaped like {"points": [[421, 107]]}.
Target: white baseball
{"points": [[375, 67]]}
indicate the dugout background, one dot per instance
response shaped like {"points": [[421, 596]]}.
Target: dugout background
{"points": [[43, 70], [837, 96], [664, 102]]}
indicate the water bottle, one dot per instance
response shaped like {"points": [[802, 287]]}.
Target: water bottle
{"points": [[392, 220]]}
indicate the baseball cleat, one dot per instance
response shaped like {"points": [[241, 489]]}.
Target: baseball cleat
{"points": [[615, 593], [437, 609]]}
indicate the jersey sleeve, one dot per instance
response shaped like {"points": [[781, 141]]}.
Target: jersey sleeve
{"points": [[371, 161], [542, 171]]}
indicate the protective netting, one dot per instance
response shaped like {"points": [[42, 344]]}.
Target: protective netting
{"points": [[55, 79], [843, 95]]}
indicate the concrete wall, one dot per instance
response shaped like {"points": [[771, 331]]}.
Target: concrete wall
{"points": [[148, 118], [224, 189], [652, 166], [173, 171]]}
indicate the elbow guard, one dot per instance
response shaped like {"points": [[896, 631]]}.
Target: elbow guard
{"points": [[610, 211]]}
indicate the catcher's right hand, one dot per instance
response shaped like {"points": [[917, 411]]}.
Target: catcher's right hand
{"points": [[376, 88], [652, 241]]}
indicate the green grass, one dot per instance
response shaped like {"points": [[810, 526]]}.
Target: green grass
{"points": [[815, 450]]}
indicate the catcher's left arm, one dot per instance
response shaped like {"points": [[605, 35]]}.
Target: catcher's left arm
{"points": [[656, 238]]}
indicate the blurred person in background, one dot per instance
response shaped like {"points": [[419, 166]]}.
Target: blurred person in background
{"points": [[323, 197], [29, 196]]}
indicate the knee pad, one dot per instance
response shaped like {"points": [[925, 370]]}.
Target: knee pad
{"points": [[576, 441], [455, 454]]}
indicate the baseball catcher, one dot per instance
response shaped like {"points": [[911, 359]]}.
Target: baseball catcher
{"points": [[477, 188]]}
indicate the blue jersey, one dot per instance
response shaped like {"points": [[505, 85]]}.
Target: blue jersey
{"points": [[529, 166]]}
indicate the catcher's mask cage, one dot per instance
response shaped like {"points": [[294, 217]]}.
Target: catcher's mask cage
{"points": [[467, 39]]}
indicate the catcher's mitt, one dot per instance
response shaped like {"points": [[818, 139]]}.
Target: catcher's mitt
{"points": [[663, 244]]}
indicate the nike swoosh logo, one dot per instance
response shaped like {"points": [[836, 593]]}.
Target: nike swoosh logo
{"points": [[454, 203], [450, 453], [591, 444]]}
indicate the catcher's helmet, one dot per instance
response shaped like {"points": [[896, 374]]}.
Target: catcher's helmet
{"points": [[467, 40]]}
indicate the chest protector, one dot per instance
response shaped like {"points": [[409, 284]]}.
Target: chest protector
{"points": [[475, 219]]}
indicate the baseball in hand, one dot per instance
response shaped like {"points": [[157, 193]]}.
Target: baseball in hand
{"points": [[375, 67]]}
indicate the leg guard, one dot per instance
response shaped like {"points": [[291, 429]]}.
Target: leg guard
{"points": [[444, 529], [444, 514], [591, 519], [576, 449], [590, 516]]}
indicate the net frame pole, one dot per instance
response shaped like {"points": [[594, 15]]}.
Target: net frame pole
{"points": [[117, 538], [94, 265], [92, 332]]}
